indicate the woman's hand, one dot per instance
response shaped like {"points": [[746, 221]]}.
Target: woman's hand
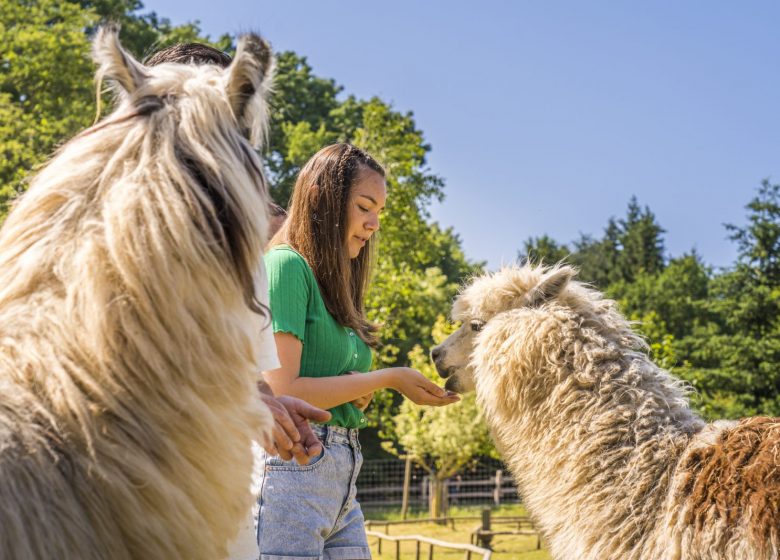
{"points": [[292, 436], [361, 403], [419, 389], [328, 392]]}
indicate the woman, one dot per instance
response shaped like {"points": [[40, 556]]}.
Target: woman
{"points": [[318, 270]]}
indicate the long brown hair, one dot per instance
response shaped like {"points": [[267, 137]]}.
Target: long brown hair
{"points": [[316, 228]]}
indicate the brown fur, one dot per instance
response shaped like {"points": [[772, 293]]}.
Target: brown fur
{"points": [[736, 480]]}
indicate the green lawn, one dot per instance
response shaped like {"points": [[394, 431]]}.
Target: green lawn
{"points": [[504, 547]]}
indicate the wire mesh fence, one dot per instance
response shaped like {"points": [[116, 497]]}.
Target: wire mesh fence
{"points": [[381, 485]]}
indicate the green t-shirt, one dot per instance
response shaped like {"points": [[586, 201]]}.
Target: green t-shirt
{"points": [[297, 307]]}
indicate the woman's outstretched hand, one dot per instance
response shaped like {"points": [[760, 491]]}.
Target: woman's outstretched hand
{"points": [[419, 389]]}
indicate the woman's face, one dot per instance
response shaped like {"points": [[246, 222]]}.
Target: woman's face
{"points": [[366, 201]]}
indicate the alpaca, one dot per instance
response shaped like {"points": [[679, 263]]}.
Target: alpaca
{"points": [[607, 454], [129, 319]]}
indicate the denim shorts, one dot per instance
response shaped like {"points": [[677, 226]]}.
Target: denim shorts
{"points": [[311, 511]]}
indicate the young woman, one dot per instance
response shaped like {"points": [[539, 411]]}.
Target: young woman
{"points": [[318, 270]]}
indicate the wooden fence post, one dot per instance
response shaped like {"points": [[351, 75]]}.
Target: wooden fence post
{"points": [[445, 498], [407, 480], [486, 538], [497, 491]]}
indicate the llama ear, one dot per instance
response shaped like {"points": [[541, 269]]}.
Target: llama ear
{"points": [[248, 83], [552, 283], [114, 62]]}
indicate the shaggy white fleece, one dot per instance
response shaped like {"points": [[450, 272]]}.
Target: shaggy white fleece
{"points": [[129, 322], [606, 452]]}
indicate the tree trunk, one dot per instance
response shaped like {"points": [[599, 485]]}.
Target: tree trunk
{"points": [[437, 501]]}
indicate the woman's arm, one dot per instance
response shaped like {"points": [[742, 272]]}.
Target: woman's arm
{"points": [[327, 392]]}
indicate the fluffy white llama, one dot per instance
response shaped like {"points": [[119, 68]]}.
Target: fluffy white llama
{"points": [[128, 321], [607, 454]]}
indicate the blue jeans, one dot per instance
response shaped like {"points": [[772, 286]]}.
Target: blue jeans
{"points": [[311, 512]]}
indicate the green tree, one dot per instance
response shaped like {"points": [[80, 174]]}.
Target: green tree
{"points": [[543, 249], [303, 120], [46, 87], [629, 247], [441, 440], [597, 259], [145, 32], [742, 343], [759, 241], [641, 243], [47, 93], [676, 297]]}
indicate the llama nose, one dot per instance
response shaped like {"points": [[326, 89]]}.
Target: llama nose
{"points": [[435, 353]]}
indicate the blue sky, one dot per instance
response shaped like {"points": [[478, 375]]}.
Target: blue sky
{"points": [[546, 117]]}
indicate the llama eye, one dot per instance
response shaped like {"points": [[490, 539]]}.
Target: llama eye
{"points": [[477, 326]]}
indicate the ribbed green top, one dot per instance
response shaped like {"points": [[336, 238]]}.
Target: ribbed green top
{"points": [[297, 307]]}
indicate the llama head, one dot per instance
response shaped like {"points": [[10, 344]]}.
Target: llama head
{"points": [[192, 131], [245, 84], [484, 299], [526, 329]]}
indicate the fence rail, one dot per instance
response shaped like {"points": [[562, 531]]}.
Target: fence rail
{"points": [[381, 485], [518, 520], [469, 549]]}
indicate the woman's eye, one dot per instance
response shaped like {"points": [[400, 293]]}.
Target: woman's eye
{"points": [[362, 209]]}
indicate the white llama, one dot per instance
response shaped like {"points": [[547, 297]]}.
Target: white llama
{"points": [[607, 454], [128, 320]]}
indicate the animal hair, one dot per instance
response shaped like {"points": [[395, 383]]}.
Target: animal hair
{"points": [[607, 454], [129, 320]]}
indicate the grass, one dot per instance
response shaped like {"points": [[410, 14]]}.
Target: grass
{"points": [[504, 547]]}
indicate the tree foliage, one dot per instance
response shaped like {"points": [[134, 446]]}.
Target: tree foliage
{"points": [[630, 247], [46, 86], [543, 250], [47, 93], [743, 341]]}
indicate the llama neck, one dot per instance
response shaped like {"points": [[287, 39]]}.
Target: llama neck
{"points": [[594, 460]]}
